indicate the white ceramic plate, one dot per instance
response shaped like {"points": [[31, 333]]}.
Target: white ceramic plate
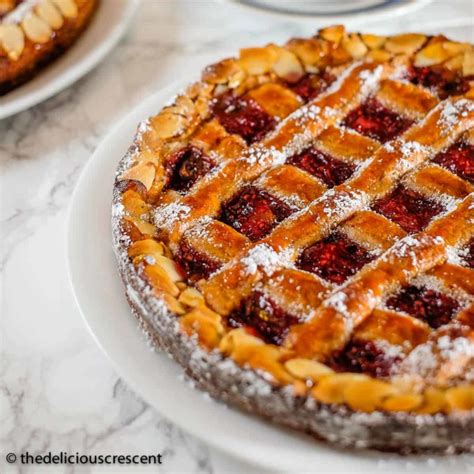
{"points": [[156, 378], [333, 10], [107, 27]]}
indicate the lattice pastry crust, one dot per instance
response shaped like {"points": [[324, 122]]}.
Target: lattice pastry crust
{"points": [[296, 229], [35, 32]]}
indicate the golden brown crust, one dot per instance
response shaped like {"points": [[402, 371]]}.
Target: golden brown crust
{"points": [[38, 36]]}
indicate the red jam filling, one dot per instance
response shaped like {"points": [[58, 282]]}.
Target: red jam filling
{"points": [[459, 159], [408, 208], [364, 357], [445, 82], [264, 316], [184, 167], [469, 256], [254, 212], [430, 306], [334, 258], [195, 264], [311, 85], [374, 120], [328, 169], [243, 117]]}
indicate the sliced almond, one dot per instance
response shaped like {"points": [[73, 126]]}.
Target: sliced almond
{"points": [[221, 72], [145, 247], [191, 297], [354, 46], [455, 64], [134, 204], [48, 12], [174, 305], [168, 125], [208, 329], [367, 395], [307, 369], [461, 398], [333, 33], [373, 41], [331, 388], [310, 51], [170, 267], [403, 402], [406, 43], [36, 29], [468, 63], [257, 60], [67, 7], [379, 55], [143, 172], [12, 39], [288, 66], [434, 53], [160, 280], [434, 401], [144, 227]]}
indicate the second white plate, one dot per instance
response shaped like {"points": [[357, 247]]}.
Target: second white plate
{"points": [[107, 27]]}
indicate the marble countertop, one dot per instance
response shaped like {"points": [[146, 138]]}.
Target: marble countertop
{"points": [[58, 392]]}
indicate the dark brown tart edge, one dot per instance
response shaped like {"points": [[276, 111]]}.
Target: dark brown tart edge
{"points": [[402, 433], [35, 57]]}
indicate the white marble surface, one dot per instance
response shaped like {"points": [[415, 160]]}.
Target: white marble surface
{"points": [[57, 390]]}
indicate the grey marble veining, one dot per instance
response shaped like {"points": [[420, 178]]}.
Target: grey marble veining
{"points": [[57, 390]]}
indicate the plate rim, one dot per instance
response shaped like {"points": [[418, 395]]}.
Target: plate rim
{"points": [[127, 123], [87, 62], [375, 13]]}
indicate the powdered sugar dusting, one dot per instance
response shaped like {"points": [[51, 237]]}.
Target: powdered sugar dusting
{"points": [[452, 113], [166, 216], [264, 258]]}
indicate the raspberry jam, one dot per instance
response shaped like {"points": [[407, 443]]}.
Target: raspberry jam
{"points": [[364, 357], [469, 254], [374, 120], [334, 258], [311, 85], [459, 159], [243, 117], [430, 306], [186, 166], [408, 208], [328, 169], [195, 264], [443, 81], [262, 314], [254, 212]]}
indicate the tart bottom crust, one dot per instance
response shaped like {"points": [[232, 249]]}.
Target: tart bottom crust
{"points": [[225, 381], [36, 56]]}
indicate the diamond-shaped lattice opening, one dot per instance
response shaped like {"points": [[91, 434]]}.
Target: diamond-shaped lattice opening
{"points": [[186, 166], [459, 159], [311, 85], [409, 209], [434, 308], [266, 319], [195, 264], [244, 117], [334, 258], [374, 120], [254, 212], [365, 357], [443, 81], [328, 169]]}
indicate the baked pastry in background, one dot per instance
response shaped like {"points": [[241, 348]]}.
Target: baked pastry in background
{"points": [[297, 231], [34, 32]]}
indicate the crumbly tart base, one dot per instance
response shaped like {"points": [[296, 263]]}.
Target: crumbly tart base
{"points": [[226, 381], [27, 47], [272, 378]]}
